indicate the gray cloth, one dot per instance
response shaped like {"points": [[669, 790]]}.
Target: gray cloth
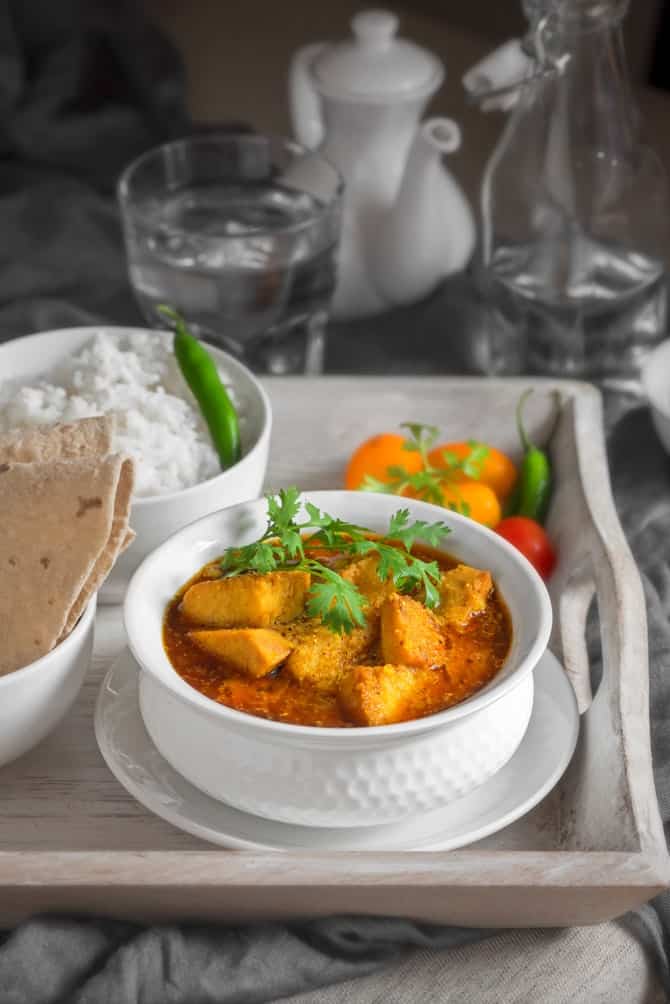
{"points": [[606, 964], [47, 961], [83, 88]]}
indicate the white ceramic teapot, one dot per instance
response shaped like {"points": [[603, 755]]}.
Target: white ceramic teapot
{"points": [[406, 223]]}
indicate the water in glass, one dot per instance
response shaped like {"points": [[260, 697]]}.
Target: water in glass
{"points": [[239, 234]]}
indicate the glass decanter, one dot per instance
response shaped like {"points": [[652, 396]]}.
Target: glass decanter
{"points": [[575, 210]]}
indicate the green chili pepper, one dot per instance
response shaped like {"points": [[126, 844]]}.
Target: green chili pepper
{"points": [[534, 486], [200, 372]]}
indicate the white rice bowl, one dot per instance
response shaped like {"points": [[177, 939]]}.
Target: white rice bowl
{"points": [[135, 376]]}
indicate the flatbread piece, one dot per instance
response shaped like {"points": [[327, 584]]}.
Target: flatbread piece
{"points": [[89, 437], [63, 524], [120, 536]]}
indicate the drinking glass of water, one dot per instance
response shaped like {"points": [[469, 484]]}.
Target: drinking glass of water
{"points": [[239, 233]]}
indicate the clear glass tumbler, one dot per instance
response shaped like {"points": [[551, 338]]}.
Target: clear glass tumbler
{"points": [[239, 233]]}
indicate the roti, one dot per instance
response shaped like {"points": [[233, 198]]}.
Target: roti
{"points": [[64, 509], [120, 536], [63, 526], [89, 437]]}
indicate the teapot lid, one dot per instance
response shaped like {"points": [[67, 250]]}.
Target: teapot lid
{"points": [[375, 65]]}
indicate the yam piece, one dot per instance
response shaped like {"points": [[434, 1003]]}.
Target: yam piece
{"points": [[252, 651], [383, 695], [320, 656], [410, 634], [249, 600], [464, 592], [363, 575]]}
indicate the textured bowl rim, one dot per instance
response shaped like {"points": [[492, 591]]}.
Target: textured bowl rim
{"points": [[285, 731], [225, 359], [41, 665]]}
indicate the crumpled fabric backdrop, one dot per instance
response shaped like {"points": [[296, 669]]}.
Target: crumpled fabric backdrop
{"points": [[85, 87]]}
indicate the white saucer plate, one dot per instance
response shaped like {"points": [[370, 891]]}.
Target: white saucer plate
{"points": [[525, 780]]}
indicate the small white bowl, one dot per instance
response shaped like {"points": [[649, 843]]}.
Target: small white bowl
{"points": [[656, 384], [34, 699], [334, 777], [155, 517]]}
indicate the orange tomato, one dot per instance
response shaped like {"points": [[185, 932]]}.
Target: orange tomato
{"points": [[496, 470], [376, 455], [471, 498]]}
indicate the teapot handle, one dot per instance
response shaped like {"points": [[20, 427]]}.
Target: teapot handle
{"points": [[304, 101]]}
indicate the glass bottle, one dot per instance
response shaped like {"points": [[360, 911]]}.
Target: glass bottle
{"points": [[575, 209]]}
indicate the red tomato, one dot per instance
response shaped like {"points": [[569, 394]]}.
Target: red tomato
{"points": [[529, 538]]}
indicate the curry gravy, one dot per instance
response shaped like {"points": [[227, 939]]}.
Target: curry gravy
{"points": [[476, 653]]}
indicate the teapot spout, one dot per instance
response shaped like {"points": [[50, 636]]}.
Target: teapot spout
{"points": [[439, 134], [430, 231]]}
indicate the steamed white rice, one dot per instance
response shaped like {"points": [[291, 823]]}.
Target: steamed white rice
{"points": [[136, 377]]}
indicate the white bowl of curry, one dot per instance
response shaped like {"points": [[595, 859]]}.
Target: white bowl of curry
{"points": [[253, 696]]}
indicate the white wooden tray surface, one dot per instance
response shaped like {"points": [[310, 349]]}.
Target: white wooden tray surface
{"points": [[71, 839]]}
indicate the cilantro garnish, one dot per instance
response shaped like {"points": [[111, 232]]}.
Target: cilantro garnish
{"points": [[291, 545], [428, 482]]}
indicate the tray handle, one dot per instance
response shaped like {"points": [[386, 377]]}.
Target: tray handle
{"points": [[614, 753], [574, 603]]}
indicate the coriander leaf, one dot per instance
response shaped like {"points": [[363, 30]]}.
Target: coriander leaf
{"points": [[416, 573], [407, 578], [422, 437], [370, 484], [264, 558], [336, 601], [425, 485], [316, 517], [363, 546], [478, 451], [240, 559], [398, 521], [292, 542], [473, 463], [335, 532], [407, 535], [397, 473], [462, 508], [392, 562], [452, 461], [431, 533], [283, 508], [430, 575], [328, 527], [471, 469]]}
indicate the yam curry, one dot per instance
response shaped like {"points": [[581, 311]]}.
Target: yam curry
{"points": [[334, 634]]}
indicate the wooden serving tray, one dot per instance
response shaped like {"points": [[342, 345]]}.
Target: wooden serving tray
{"points": [[71, 839]]}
